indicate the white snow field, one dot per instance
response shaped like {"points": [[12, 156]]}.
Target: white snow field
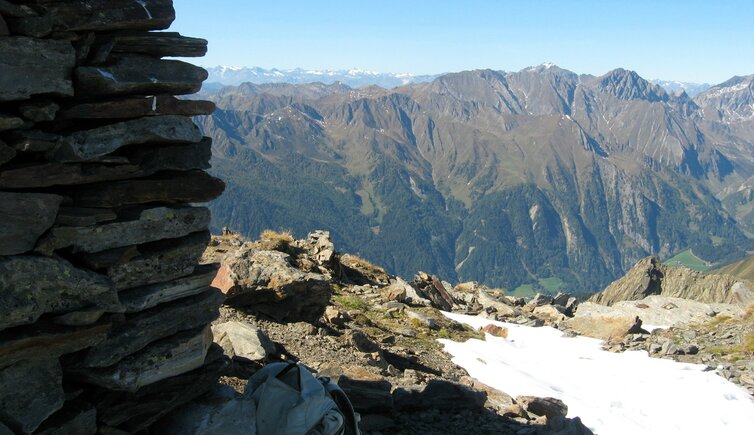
{"points": [[613, 393]]}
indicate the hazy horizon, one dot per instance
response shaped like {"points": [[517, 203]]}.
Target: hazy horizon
{"points": [[688, 41]]}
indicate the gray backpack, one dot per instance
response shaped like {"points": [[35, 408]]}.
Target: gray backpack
{"points": [[290, 400]]}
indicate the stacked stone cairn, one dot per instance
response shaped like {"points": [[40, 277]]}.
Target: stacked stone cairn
{"points": [[104, 310]]}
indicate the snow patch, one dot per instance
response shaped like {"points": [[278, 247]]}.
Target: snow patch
{"points": [[613, 393]]}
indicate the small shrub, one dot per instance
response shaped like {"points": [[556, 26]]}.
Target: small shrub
{"points": [[443, 333]]}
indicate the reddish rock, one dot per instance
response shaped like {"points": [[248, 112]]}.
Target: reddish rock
{"points": [[497, 331]]}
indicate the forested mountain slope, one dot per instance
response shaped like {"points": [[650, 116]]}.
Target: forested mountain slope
{"points": [[539, 177]]}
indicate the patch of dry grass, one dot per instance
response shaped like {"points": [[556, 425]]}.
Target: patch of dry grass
{"points": [[275, 241]]}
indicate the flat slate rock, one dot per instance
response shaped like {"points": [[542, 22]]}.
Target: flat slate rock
{"points": [[150, 225], [165, 187], [35, 66], [25, 217], [46, 340], [139, 75], [102, 15], [30, 391], [9, 9], [159, 44], [76, 418], [172, 356], [90, 144], [136, 107], [83, 216], [142, 298], [9, 122], [221, 411], [141, 162], [139, 330], [39, 111], [6, 153], [133, 412], [31, 286], [160, 261]]}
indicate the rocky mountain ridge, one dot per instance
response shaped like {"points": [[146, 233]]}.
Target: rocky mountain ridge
{"points": [[508, 178], [650, 277]]}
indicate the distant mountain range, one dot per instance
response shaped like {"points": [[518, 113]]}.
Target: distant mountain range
{"points": [[356, 78], [540, 178], [676, 87]]}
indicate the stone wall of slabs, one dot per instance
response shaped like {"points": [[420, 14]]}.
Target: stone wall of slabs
{"points": [[104, 309]]}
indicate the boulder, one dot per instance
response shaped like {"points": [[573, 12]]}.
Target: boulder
{"points": [[335, 316], [651, 311], [498, 304], [553, 313], [361, 341], [86, 145], [242, 340], [221, 410], [172, 356], [368, 392], [31, 286], [412, 295], [266, 282], [393, 292], [547, 406], [30, 391], [422, 320], [362, 272], [139, 330], [539, 300], [139, 75], [25, 217], [604, 327], [440, 395], [35, 66], [148, 225], [434, 291]]}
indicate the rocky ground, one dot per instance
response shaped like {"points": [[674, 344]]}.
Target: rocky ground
{"points": [[376, 335], [723, 343]]}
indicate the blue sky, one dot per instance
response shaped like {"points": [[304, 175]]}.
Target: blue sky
{"points": [[697, 41]]}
